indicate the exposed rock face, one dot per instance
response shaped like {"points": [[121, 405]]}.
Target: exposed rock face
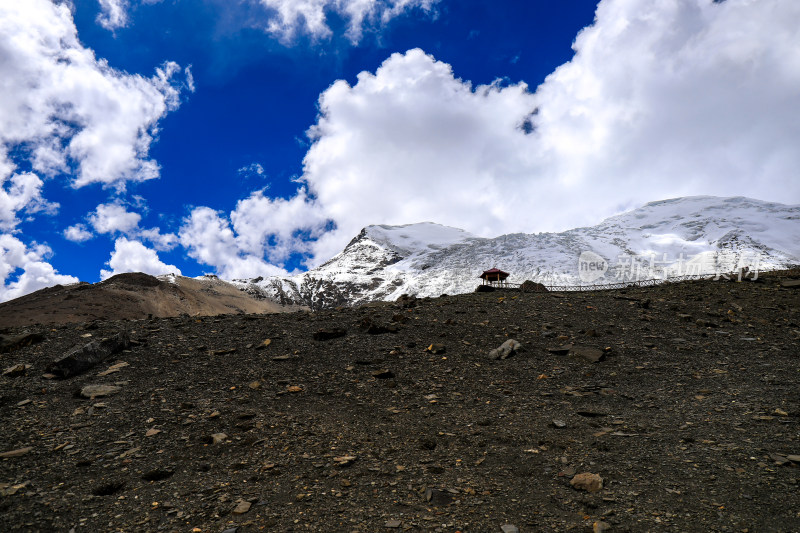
{"points": [[83, 358], [684, 235]]}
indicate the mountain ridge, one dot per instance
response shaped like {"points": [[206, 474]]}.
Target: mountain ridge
{"points": [[696, 235], [133, 295]]}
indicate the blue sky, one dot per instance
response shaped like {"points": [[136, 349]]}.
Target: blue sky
{"points": [[257, 137]]}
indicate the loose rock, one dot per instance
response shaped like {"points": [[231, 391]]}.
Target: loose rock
{"points": [[218, 438], [114, 368], [593, 355], [600, 527], [438, 498], [436, 349], [345, 460], [561, 350], [15, 453], [16, 370], [242, 508], [13, 343], [383, 374], [264, 344], [587, 481], [157, 474], [81, 359], [99, 391], [506, 350]]}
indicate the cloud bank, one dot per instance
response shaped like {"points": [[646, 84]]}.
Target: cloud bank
{"points": [[133, 256], [286, 19], [662, 99], [290, 17], [260, 236], [65, 114], [70, 112], [30, 260]]}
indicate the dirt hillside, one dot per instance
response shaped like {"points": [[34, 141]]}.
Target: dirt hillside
{"points": [[129, 296], [673, 408]]}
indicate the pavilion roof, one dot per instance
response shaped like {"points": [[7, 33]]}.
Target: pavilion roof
{"points": [[494, 273]]}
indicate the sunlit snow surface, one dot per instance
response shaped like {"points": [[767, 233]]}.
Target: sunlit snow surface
{"points": [[693, 235]]}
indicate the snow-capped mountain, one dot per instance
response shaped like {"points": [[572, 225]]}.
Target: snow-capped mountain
{"points": [[692, 235]]}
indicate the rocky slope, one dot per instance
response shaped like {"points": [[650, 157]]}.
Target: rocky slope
{"points": [[694, 235], [664, 409], [134, 295]]}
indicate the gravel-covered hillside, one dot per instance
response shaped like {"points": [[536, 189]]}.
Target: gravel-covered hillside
{"points": [[672, 408]]}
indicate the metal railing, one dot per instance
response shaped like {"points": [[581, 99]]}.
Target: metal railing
{"points": [[613, 286]]}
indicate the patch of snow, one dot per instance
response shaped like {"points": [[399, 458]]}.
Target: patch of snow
{"points": [[169, 278]]}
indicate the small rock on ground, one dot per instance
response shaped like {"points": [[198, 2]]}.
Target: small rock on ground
{"points": [[99, 391], [506, 350], [15, 453], [242, 508], [587, 481]]}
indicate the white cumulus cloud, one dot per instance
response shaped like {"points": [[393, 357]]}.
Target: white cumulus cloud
{"points": [[133, 256], [163, 242], [69, 112], [661, 99], [285, 19], [28, 266], [21, 192], [114, 217], [78, 233], [113, 14], [66, 113], [412, 142], [288, 17], [253, 169], [209, 239]]}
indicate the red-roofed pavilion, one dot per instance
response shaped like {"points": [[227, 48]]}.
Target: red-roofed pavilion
{"points": [[494, 276]]}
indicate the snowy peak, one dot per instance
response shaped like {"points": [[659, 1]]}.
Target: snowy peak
{"points": [[701, 223], [414, 239], [378, 247], [703, 233]]}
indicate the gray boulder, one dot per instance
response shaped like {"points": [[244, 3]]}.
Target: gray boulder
{"points": [[82, 358], [506, 350]]}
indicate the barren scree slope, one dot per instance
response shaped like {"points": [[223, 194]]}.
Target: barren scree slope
{"points": [[680, 401]]}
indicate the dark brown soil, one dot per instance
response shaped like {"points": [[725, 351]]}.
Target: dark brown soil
{"points": [[691, 418]]}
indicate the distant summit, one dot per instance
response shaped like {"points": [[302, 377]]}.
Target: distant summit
{"points": [[699, 234]]}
